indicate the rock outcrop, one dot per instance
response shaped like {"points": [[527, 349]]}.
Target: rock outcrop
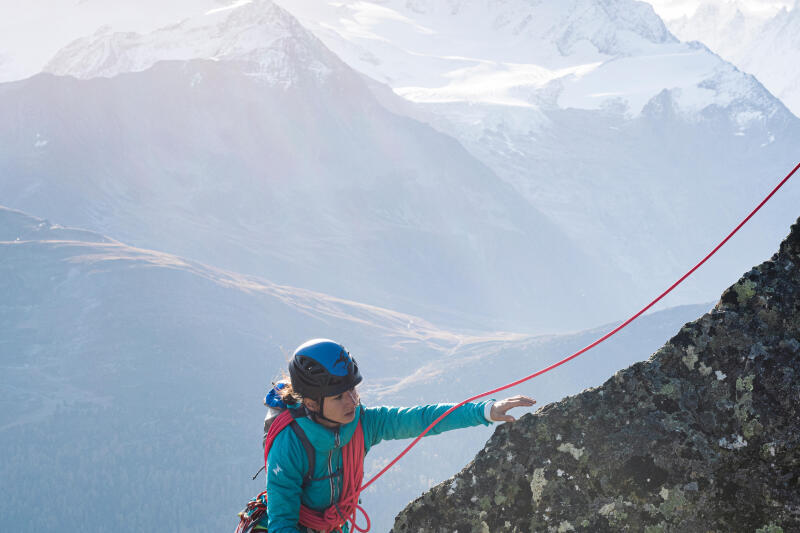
{"points": [[701, 437]]}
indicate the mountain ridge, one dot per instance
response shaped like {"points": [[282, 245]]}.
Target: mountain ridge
{"points": [[761, 42], [282, 182], [259, 33], [646, 138]]}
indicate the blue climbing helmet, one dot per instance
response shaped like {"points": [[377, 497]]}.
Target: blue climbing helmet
{"points": [[322, 367]]}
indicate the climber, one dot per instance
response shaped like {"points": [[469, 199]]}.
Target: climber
{"points": [[314, 471]]}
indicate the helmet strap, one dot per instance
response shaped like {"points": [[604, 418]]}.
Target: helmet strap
{"points": [[315, 416]]}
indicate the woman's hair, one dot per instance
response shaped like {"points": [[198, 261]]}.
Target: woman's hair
{"points": [[287, 393]]}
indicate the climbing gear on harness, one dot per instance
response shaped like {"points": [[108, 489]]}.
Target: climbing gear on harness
{"points": [[320, 368], [334, 517]]}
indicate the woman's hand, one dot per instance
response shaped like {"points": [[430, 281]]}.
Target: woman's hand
{"points": [[501, 407]]}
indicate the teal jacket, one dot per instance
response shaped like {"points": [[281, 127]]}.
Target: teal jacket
{"points": [[287, 462]]}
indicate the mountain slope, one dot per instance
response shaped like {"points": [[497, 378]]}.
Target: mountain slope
{"points": [[283, 164], [130, 371], [123, 369], [702, 436], [595, 114], [590, 111]]}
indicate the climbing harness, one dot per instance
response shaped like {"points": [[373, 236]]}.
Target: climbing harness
{"points": [[334, 517]]}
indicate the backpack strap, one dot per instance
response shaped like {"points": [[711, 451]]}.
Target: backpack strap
{"points": [[301, 435], [337, 514], [306, 444]]}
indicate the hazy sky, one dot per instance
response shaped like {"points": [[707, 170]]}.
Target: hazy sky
{"points": [[669, 9]]}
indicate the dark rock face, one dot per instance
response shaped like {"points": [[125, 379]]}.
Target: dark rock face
{"points": [[701, 437]]}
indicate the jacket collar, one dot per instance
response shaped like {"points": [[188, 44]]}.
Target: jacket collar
{"points": [[324, 439]]}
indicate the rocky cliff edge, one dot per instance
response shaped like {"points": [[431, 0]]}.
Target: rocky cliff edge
{"points": [[701, 437]]}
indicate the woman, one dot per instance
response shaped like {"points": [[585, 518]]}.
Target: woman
{"points": [[323, 403]]}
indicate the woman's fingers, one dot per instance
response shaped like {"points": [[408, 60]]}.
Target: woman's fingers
{"points": [[516, 401], [500, 408]]}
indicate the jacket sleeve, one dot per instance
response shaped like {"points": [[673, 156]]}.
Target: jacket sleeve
{"points": [[388, 423], [285, 468]]}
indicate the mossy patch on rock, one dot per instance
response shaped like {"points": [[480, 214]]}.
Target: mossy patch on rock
{"points": [[745, 290]]}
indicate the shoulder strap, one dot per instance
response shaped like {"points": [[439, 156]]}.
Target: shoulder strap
{"points": [[287, 418], [309, 448], [310, 452]]}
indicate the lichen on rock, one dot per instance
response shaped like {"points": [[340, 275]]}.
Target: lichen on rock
{"points": [[703, 436]]}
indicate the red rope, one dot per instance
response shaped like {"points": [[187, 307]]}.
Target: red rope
{"points": [[592, 345], [334, 517], [353, 460]]}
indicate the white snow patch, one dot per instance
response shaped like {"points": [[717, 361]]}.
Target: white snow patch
{"points": [[240, 3], [493, 83], [745, 118], [635, 80], [367, 14], [720, 375]]}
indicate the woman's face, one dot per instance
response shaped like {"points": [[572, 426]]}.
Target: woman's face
{"points": [[342, 407]]}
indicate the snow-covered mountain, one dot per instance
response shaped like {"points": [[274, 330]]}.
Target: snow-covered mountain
{"points": [[583, 54], [764, 42], [591, 111], [594, 113], [32, 31], [259, 33], [132, 372], [282, 163]]}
